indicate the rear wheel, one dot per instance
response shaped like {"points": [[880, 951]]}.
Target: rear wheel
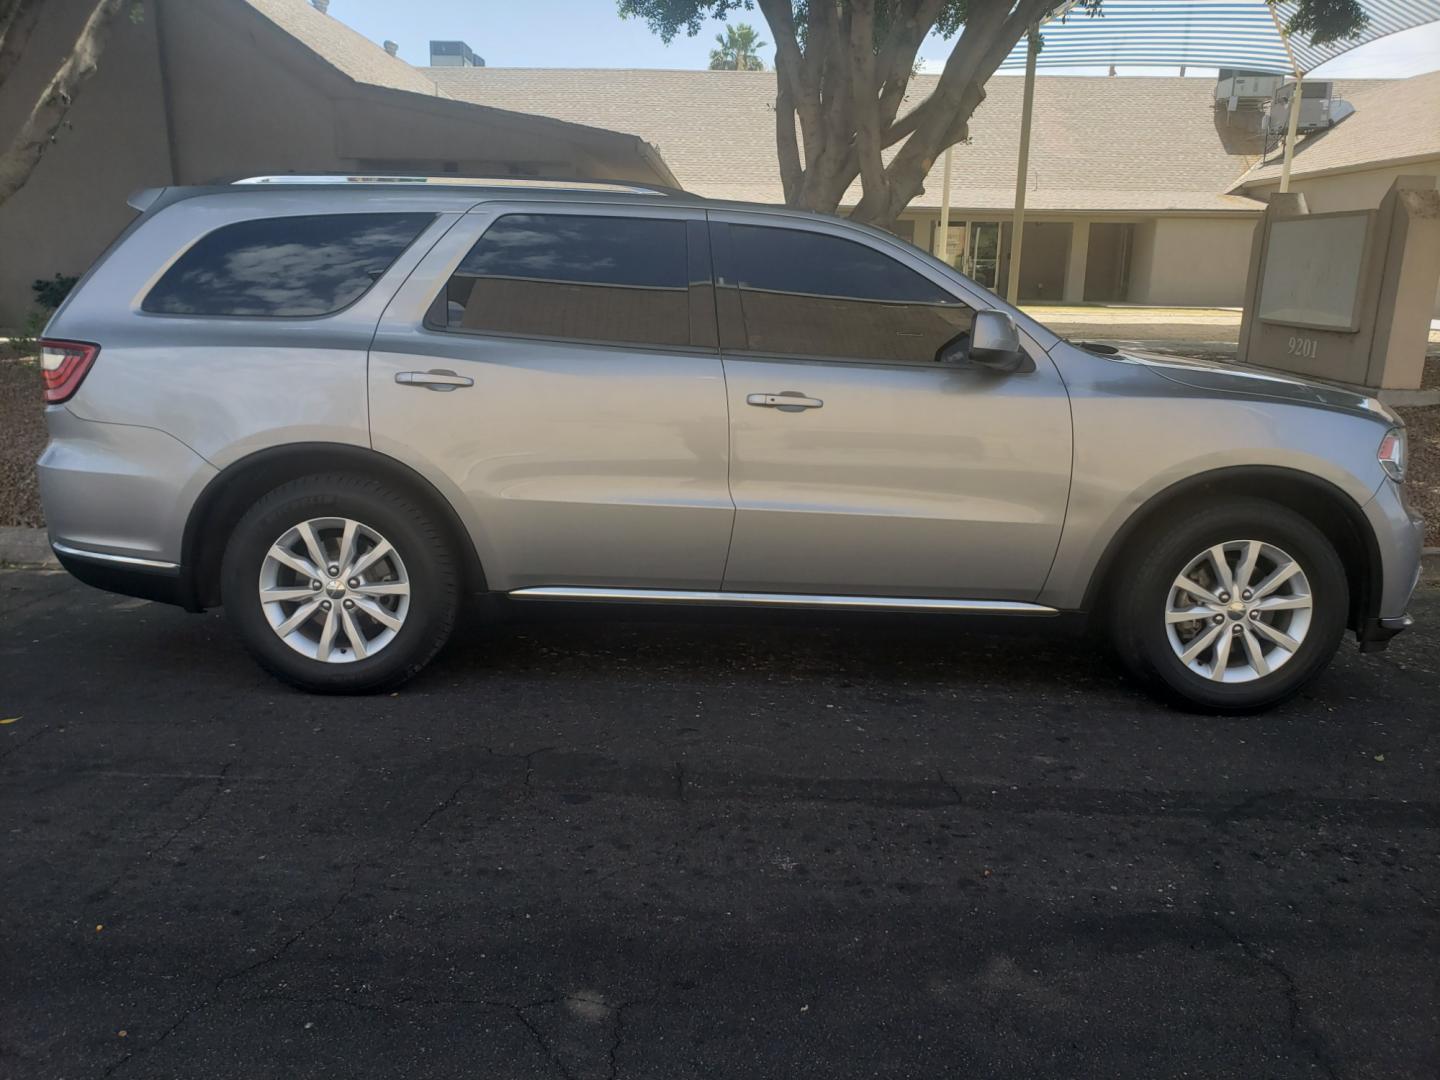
{"points": [[340, 584], [1231, 609]]}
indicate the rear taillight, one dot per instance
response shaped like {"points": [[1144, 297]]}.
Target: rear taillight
{"points": [[63, 365]]}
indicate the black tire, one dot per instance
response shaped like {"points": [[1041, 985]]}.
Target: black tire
{"points": [[1150, 567], [430, 565]]}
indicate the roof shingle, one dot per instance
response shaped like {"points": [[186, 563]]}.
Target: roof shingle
{"points": [[346, 50], [1396, 120], [1105, 145]]}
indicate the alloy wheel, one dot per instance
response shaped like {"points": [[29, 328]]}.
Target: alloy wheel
{"points": [[334, 590], [1239, 611]]}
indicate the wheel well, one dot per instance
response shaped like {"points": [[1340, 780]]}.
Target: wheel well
{"points": [[227, 497], [1326, 507]]}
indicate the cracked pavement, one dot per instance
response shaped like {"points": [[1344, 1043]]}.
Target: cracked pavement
{"points": [[599, 845]]}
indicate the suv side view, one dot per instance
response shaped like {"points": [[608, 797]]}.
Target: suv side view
{"points": [[336, 408]]}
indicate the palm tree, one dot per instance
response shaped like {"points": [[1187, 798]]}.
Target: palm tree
{"points": [[738, 50]]}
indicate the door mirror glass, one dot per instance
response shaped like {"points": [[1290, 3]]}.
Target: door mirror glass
{"points": [[992, 343]]}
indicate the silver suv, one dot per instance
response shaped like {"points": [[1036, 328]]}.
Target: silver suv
{"points": [[338, 407]]}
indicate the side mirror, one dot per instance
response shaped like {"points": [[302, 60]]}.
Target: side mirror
{"points": [[995, 343]]}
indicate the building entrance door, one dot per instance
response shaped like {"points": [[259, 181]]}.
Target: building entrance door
{"points": [[982, 254]]}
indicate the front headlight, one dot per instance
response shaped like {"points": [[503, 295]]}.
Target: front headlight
{"points": [[1392, 454]]}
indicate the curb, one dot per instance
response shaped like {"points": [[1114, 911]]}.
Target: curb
{"points": [[31, 547], [26, 547]]}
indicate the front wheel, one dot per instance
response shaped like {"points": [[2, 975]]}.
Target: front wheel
{"points": [[1231, 609], [340, 584]]}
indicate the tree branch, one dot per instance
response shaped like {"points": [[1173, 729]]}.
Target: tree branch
{"points": [[51, 110], [864, 90], [792, 173], [990, 33]]}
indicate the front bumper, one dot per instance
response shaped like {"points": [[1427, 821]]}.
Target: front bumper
{"points": [[1375, 634], [1400, 537]]}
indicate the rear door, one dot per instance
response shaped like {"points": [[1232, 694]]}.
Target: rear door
{"points": [[554, 368], [859, 464]]}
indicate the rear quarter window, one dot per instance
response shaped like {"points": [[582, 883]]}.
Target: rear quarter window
{"points": [[286, 267]]}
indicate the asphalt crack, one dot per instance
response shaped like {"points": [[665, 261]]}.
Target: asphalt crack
{"points": [[1300, 1030], [249, 969], [185, 826]]}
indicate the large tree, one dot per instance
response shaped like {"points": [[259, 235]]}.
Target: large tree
{"points": [[843, 68]]}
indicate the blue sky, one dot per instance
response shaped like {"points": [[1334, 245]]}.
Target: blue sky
{"points": [[588, 33]]}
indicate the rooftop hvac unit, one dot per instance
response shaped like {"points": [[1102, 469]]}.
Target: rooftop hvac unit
{"points": [[1316, 108], [1237, 89]]}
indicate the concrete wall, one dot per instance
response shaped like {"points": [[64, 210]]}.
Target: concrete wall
{"points": [[74, 203], [244, 98], [1360, 190], [1191, 261], [1349, 190]]}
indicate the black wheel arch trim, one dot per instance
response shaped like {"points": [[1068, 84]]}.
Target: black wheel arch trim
{"points": [[228, 496], [1364, 604]]}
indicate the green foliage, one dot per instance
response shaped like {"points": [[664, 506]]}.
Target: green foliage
{"points": [[1324, 21], [738, 51], [51, 294], [27, 341]]}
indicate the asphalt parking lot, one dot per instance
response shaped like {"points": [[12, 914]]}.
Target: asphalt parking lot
{"points": [[600, 847]]}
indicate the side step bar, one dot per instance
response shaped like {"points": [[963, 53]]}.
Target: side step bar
{"points": [[784, 600]]}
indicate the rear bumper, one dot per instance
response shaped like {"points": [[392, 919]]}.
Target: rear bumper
{"points": [[117, 489], [116, 498], [144, 578]]}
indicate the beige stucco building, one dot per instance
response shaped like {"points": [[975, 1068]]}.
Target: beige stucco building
{"points": [[205, 90], [1128, 196], [1140, 190]]}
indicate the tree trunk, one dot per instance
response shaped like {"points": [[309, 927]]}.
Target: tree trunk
{"points": [[846, 86], [51, 110]]}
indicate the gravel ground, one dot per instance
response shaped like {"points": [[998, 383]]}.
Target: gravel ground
{"points": [[1424, 431], [22, 437]]}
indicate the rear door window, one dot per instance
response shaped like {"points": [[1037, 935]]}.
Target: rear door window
{"points": [[286, 267], [581, 277], [814, 295]]}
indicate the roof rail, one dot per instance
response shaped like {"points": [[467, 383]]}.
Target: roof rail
{"points": [[465, 181]]}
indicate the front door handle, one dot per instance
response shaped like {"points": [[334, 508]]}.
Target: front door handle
{"points": [[438, 379], [786, 400]]}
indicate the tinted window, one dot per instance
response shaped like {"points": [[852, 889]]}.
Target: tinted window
{"points": [[808, 294], [289, 266], [608, 279]]}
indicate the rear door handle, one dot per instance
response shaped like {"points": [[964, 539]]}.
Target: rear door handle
{"points": [[439, 379], [789, 400]]}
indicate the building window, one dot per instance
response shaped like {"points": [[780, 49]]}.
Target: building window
{"points": [[809, 294], [289, 267], [617, 280]]}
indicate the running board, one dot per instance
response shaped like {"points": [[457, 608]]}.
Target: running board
{"points": [[784, 600]]}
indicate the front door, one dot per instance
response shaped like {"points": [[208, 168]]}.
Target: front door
{"points": [[555, 371], [983, 254], [860, 465]]}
